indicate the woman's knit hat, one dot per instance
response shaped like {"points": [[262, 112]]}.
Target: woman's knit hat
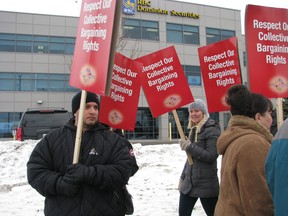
{"points": [[91, 97], [199, 105]]}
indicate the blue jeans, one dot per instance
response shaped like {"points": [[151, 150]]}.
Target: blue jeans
{"points": [[187, 203]]}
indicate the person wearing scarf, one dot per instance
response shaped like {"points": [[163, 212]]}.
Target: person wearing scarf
{"points": [[200, 179]]}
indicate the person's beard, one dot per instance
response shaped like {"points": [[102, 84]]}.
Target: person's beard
{"points": [[89, 123]]}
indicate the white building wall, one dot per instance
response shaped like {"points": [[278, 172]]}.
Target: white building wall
{"points": [[25, 23]]}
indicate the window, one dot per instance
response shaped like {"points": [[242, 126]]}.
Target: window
{"points": [[7, 42], [226, 118], [183, 116], [146, 127], [69, 45], [35, 82], [187, 34], [214, 116], [23, 43], [244, 59], [193, 75], [36, 44], [141, 29], [25, 82], [214, 35], [7, 82], [7, 120]]}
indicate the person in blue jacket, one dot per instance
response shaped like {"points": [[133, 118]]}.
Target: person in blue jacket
{"points": [[277, 170]]}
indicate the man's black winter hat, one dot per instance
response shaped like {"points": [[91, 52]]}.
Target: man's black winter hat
{"points": [[91, 97]]}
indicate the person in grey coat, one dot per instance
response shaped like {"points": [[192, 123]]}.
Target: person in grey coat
{"points": [[200, 179]]}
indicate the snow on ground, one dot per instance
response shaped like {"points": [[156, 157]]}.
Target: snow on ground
{"points": [[153, 187]]}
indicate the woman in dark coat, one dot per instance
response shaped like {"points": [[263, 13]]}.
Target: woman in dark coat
{"points": [[200, 179]]}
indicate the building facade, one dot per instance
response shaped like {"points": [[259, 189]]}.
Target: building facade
{"points": [[36, 53]]}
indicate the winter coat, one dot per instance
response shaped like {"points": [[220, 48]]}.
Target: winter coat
{"points": [[244, 146], [122, 192], [200, 179], [277, 170], [101, 149]]}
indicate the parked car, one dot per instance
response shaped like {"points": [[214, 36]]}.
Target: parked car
{"points": [[36, 123]]}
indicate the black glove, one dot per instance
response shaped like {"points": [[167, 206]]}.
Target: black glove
{"points": [[77, 173], [66, 188]]}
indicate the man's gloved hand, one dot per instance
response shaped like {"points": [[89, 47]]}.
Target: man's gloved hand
{"points": [[76, 173], [184, 144], [66, 188]]}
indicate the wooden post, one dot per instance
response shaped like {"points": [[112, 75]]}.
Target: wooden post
{"points": [[279, 111], [182, 135], [79, 127]]}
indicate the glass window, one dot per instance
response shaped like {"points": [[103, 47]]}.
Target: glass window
{"points": [[7, 42], [7, 82], [42, 85], [214, 116], [183, 116], [150, 30], [40, 47], [56, 82], [4, 36], [141, 29], [7, 85], [174, 33], [35, 82], [7, 120], [69, 49], [25, 85], [20, 37], [36, 44], [146, 127], [70, 40], [244, 59], [57, 39], [226, 118], [25, 82], [23, 46], [6, 45], [68, 88], [56, 48], [41, 38], [214, 35], [193, 75], [6, 76], [177, 33]]}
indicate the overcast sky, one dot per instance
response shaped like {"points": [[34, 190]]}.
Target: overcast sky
{"points": [[72, 7]]}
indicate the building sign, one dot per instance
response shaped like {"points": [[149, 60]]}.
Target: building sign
{"points": [[128, 7], [146, 7]]}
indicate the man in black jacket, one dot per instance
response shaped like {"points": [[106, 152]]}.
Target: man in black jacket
{"points": [[88, 187]]}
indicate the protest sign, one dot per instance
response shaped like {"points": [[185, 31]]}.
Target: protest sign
{"points": [[119, 110], [94, 53], [164, 82], [266, 32], [220, 69], [95, 45]]}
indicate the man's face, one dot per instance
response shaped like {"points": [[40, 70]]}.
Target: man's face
{"points": [[90, 117]]}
